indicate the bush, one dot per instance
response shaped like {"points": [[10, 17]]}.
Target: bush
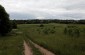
{"points": [[46, 31], [72, 31], [41, 25], [14, 25]]}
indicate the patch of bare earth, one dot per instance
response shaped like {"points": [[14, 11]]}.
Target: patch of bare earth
{"points": [[43, 50], [27, 49]]}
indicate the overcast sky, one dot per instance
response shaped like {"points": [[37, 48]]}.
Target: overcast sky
{"points": [[45, 9]]}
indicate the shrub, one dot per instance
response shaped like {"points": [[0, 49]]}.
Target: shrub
{"points": [[14, 25], [72, 31], [46, 31], [41, 25]]}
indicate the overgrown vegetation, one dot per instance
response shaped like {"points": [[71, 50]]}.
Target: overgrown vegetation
{"points": [[12, 44], [59, 42], [72, 31]]}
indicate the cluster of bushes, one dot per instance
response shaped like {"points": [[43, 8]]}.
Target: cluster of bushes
{"points": [[72, 31], [46, 30]]}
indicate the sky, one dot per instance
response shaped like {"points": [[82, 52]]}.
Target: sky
{"points": [[45, 9]]}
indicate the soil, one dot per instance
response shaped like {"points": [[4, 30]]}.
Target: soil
{"points": [[43, 50], [27, 49]]}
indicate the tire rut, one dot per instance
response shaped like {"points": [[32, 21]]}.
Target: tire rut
{"points": [[27, 49], [42, 50]]}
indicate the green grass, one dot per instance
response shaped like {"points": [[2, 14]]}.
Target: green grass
{"points": [[11, 44], [51, 37], [57, 42]]}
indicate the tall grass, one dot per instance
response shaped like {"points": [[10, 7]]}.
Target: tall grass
{"points": [[58, 42], [11, 44]]}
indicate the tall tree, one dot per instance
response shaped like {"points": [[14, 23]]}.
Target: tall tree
{"points": [[5, 25]]}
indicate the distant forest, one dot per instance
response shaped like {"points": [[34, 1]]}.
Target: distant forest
{"points": [[37, 21]]}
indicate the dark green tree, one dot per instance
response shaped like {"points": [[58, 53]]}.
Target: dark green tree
{"points": [[14, 24], [5, 24]]}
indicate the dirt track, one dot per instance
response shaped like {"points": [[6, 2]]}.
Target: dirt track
{"points": [[28, 50], [43, 50]]}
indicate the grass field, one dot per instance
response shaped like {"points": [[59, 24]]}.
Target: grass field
{"points": [[52, 37], [12, 44]]}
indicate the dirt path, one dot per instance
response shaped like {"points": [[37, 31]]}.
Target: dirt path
{"points": [[27, 50], [43, 50]]}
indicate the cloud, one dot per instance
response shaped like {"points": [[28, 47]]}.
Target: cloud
{"points": [[59, 9], [23, 16]]}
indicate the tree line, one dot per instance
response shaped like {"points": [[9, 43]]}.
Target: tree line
{"points": [[37, 21]]}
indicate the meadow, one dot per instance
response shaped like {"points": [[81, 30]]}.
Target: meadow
{"points": [[56, 38], [61, 39], [12, 44]]}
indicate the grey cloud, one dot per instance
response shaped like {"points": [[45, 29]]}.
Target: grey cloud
{"points": [[79, 4], [34, 15], [22, 16], [57, 9]]}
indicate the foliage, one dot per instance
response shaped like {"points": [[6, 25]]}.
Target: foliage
{"points": [[11, 44], [37, 21], [41, 25], [72, 31], [5, 25], [14, 24], [59, 43]]}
